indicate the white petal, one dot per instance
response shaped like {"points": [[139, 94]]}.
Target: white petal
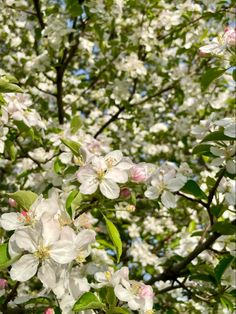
{"points": [[217, 162], [168, 199], [47, 274], [231, 166], [117, 175], [84, 238], [152, 193], [86, 173], [114, 157], [51, 231], [62, 252], [230, 130], [89, 187], [109, 189], [99, 163], [133, 304], [176, 184], [11, 221], [122, 293], [26, 239], [25, 268], [217, 151]]}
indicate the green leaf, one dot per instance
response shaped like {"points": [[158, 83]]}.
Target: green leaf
{"points": [[209, 76], [5, 260], [76, 201], [115, 237], [191, 187], [4, 256], [7, 87], [107, 295], [224, 227], [86, 302], [75, 124], [221, 267], [234, 75], [69, 200], [74, 8], [73, 146], [118, 310], [201, 148], [217, 136], [24, 198], [226, 303]]}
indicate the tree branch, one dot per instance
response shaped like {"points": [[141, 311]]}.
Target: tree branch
{"points": [[121, 109], [39, 13]]}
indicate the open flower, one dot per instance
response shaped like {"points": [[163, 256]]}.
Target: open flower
{"points": [[225, 155], [163, 184], [105, 173], [41, 245]]}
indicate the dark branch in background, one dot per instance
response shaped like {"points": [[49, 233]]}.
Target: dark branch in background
{"points": [[121, 109], [62, 66], [39, 13], [10, 297]]}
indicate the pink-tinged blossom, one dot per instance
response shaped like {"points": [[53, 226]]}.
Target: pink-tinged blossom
{"points": [[230, 36], [3, 283], [138, 174]]}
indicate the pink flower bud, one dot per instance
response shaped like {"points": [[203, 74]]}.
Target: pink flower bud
{"points": [[138, 174], [12, 202], [230, 36], [125, 192], [3, 283], [49, 310]]}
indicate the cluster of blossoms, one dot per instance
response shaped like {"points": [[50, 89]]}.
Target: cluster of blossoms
{"points": [[221, 44], [47, 242]]}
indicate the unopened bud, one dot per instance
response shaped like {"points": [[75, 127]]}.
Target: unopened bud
{"points": [[130, 208], [125, 192], [49, 310], [138, 174], [12, 202], [230, 36], [3, 283]]}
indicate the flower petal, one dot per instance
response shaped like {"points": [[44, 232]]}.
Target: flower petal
{"points": [[117, 175], [168, 199], [25, 268], [109, 189], [11, 221]]}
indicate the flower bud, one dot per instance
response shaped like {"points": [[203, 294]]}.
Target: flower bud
{"points": [[230, 36], [12, 202], [125, 192], [3, 283], [138, 174], [49, 310]]}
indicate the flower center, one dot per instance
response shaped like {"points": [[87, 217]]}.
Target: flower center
{"points": [[108, 275], [135, 288], [42, 252], [100, 174], [80, 259]]}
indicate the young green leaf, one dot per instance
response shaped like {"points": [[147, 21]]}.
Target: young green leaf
{"points": [[224, 227], [115, 237], [88, 301], [191, 187], [24, 198], [209, 76], [217, 136], [7, 87], [73, 146], [221, 267]]}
